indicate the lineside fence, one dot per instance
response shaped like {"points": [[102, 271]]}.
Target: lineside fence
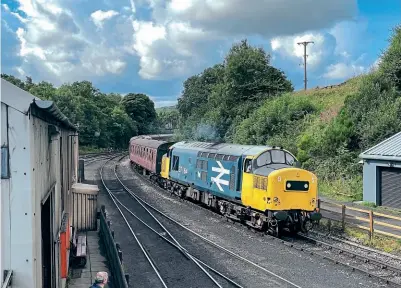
{"points": [[368, 220], [113, 251]]}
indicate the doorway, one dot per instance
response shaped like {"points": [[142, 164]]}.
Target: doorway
{"points": [[48, 273]]}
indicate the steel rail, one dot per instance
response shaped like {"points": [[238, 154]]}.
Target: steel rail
{"points": [[129, 226], [168, 232], [207, 240], [336, 261], [177, 246], [369, 259], [362, 247], [290, 244]]}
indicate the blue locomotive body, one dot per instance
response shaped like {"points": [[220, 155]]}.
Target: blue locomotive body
{"points": [[214, 168]]}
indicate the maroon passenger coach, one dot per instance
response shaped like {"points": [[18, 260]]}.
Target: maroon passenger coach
{"points": [[148, 153]]}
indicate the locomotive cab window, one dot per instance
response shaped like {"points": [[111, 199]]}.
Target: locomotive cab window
{"points": [[248, 165], [176, 163], [278, 156]]}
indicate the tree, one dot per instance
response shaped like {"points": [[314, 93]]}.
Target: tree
{"points": [[223, 95], [391, 59], [86, 106], [142, 110], [43, 90]]}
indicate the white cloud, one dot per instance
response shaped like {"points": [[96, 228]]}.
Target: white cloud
{"points": [[55, 45], [343, 71], [187, 24], [289, 47], [268, 18], [5, 6], [166, 49], [99, 16]]}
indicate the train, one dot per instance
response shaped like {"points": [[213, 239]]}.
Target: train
{"points": [[260, 186]]}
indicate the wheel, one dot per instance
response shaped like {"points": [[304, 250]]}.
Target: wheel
{"points": [[306, 226]]}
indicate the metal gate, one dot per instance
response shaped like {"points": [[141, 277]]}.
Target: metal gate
{"points": [[84, 205], [390, 187]]}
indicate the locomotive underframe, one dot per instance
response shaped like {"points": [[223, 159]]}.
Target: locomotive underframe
{"points": [[272, 222]]}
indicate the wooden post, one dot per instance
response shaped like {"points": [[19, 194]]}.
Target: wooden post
{"points": [[329, 224], [343, 217], [81, 175], [318, 205], [371, 230]]}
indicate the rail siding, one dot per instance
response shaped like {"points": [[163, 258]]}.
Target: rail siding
{"points": [[373, 222]]}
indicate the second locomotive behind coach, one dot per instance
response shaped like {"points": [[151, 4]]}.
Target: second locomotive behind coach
{"points": [[257, 185]]}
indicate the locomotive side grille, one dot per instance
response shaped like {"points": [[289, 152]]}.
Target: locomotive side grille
{"points": [[260, 182], [232, 178]]}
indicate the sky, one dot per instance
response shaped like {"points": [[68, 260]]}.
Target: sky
{"points": [[152, 46]]}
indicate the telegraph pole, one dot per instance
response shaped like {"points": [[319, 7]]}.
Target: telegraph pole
{"points": [[305, 43]]}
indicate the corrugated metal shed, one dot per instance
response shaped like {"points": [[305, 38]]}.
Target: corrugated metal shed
{"points": [[389, 149]]}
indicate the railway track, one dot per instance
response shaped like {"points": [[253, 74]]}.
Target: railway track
{"points": [[164, 254], [374, 264], [385, 267]]}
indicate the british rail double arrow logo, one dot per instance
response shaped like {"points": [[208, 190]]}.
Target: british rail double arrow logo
{"points": [[222, 171]]}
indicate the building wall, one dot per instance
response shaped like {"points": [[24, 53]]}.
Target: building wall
{"points": [[35, 166], [371, 183], [17, 213]]}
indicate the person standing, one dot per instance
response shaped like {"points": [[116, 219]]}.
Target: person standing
{"points": [[100, 280]]}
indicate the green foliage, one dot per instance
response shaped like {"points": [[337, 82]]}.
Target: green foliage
{"points": [[216, 101], [326, 128], [275, 119], [391, 60], [101, 118], [141, 110], [168, 119]]}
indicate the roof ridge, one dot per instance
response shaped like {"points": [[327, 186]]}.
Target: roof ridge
{"points": [[381, 143]]}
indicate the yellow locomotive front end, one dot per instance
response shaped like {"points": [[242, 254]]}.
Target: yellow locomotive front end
{"points": [[291, 189], [286, 195]]}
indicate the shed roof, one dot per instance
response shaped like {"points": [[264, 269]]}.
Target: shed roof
{"points": [[23, 101], [48, 111], [389, 149]]}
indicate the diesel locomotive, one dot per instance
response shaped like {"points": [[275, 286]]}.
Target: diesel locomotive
{"points": [[259, 186]]}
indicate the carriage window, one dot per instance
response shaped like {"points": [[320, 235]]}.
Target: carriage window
{"points": [[278, 156]]}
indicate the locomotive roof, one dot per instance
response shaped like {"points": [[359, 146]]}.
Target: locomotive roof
{"points": [[151, 143], [222, 148]]}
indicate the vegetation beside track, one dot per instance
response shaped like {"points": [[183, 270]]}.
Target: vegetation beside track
{"points": [[379, 242], [246, 100]]}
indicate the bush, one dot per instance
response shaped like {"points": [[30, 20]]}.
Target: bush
{"points": [[276, 122]]}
